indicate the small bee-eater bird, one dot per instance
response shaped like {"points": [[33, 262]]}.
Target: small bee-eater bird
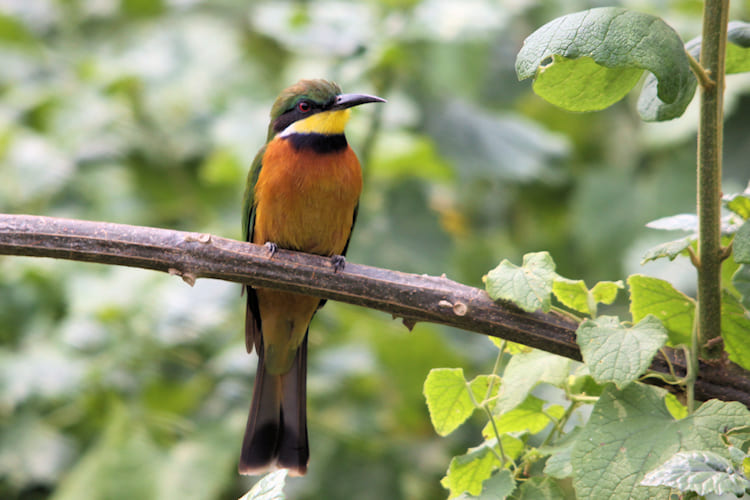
{"points": [[302, 194]]}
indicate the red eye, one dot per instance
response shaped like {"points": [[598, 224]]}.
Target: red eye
{"points": [[304, 106]]}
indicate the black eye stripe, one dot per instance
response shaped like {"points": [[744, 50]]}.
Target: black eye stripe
{"points": [[294, 113]]}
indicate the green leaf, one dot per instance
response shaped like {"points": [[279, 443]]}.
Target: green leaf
{"points": [[741, 281], [670, 249], [583, 383], [703, 472], [538, 488], [575, 295], [651, 108], [615, 46], [581, 84], [269, 487], [680, 222], [572, 294], [499, 486], [526, 417], [615, 353], [529, 286], [466, 473], [448, 399], [480, 385], [605, 292], [512, 446], [674, 309], [736, 455], [738, 55], [630, 432], [739, 203], [676, 409], [524, 372], [741, 244], [735, 330], [558, 464]]}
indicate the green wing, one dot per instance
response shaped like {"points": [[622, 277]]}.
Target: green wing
{"points": [[248, 208], [252, 314]]}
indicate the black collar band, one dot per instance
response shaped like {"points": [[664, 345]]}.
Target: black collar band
{"points": [[319, 143]]}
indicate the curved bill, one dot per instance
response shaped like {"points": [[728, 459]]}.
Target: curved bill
{"points": [[344, 101]]}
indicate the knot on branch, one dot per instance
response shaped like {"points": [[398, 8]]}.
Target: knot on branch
{"points": [[188, 278], [459, 308]]}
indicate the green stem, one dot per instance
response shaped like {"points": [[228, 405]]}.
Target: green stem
{"points": [[710, 146], [667, 379], [501, 456], [495, 369], [691, 360], [700, 72], [486, 405]]}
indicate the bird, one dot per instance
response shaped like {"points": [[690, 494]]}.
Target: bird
{"points": [[302, 193]]}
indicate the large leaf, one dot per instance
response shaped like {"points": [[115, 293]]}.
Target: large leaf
{"points": [[670, 249], [524, 372], [739, 203], [466, 473], [606, 292], [658, 297], [528, 286], [589, 60], [703, 472], [630, 432], [572, 293], [499, 486], [735, 330], [741, 244], [738, 48], [538, 488], [530, 416], [616, 353], [448, 397], [575, 295], [652, 108], [741, 281]]}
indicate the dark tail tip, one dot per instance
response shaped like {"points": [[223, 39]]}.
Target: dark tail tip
{"points": [[276, 432], [259, 450], [271, 448], [293, 451]]}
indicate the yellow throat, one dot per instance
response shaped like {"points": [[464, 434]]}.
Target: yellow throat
{"points": [[325, 122]]}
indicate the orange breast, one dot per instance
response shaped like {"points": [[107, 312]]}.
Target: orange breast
{"points": [[305, 200]]}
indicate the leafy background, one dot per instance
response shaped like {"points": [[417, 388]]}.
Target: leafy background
{"points": [[120, 383]]}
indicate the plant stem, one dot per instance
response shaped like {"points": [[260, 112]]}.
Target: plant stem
{"points": [[699, 71], [710, 142], [495, 369], [691, 358]]}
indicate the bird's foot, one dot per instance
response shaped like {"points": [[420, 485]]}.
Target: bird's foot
{"points": [[271, 247], [338, 262]]}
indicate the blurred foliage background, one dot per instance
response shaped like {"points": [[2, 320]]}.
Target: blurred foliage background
{"points": [[121, 383]]}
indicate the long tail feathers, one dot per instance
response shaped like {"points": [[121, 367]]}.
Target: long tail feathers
{"points": [[276, 432]]}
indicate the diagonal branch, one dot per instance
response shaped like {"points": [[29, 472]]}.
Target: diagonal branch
{"points": [[409, 296]]}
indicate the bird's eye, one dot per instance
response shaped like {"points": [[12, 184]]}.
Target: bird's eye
{"points": [[304, 106]]}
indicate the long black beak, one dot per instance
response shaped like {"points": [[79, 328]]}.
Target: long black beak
{"points": [[344, 101]]}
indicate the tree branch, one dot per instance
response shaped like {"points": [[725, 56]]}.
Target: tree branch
{"points": [[409, 296]]}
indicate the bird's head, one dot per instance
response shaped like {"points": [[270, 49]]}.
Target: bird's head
{"points": [[314, 107]]}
